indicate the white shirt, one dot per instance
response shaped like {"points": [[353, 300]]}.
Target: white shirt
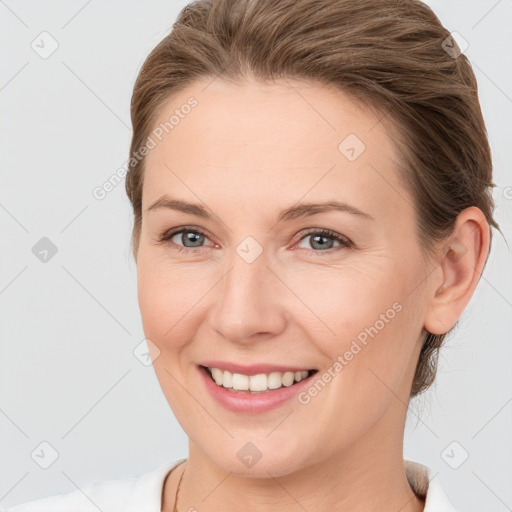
{"points": [[144, 493]]}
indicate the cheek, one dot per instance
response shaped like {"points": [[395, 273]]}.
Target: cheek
{"points": [[367, 355], [165, 300], [168, 295], [365, 317], [343, 302]]}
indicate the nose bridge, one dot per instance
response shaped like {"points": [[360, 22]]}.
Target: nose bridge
{"points": [[247, 300]]}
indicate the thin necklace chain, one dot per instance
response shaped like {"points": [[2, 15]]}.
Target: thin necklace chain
{"points": [[175, 509]]}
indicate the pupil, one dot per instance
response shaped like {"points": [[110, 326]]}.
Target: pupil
{"points": [[322, 246], [193, 237]]}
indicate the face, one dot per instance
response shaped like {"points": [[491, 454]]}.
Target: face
{"points": [[259, 279]]}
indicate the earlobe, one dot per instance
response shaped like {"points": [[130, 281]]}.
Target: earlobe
{"points": [[461, 263]]}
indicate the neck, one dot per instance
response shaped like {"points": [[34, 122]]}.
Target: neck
{"points": [[369, 475]]}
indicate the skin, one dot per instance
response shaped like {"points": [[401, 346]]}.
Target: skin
{"points": [[246, 152]]}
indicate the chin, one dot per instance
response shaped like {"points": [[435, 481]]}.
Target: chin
{"points": [[258, 459]]}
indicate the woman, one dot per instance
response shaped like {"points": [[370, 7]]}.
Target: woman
{"points": [[311, 184]]}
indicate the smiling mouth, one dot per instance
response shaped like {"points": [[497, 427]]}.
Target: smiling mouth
{"points": [[260, 383]]}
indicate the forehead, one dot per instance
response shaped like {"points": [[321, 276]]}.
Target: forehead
{"points": [[258, 140]]}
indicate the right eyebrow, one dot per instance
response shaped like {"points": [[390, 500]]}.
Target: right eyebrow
{"points": [[182, 206]]}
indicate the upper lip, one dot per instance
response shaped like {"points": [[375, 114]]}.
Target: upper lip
{"points": [[253, 369]]}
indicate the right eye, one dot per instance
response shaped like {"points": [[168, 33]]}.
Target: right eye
{"points": [[185, 235]]}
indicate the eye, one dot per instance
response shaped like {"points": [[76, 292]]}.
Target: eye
{"points": [[319, 239], [191, 238]]}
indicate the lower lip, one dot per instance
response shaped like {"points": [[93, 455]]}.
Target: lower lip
{"points": [[251, 403]]}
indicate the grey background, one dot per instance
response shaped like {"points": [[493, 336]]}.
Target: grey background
{"points": [[69, 325]]}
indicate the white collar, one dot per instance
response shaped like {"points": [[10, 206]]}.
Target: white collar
{"points": [[424, 483]]}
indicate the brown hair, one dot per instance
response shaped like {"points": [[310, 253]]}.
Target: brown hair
{"points": [[395, 57]]}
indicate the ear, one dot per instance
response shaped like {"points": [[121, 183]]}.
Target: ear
{"points": [[461, 261]]}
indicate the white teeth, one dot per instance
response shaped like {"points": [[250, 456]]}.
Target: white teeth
{"points": [[274, 380], [217, 375], [256, 383], [240, 382], [288, 378], [227, 379]]}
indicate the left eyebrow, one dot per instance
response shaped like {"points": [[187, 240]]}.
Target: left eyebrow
{"points": [[299, 210], [307, 209]]}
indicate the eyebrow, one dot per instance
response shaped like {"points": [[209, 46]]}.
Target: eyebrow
{"points": [[299, 210]]}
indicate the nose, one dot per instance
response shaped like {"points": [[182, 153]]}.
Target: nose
{"points": [[249, 302]]}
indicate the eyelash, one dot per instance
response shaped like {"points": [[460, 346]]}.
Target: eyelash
{"points": [[343, 241]]}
